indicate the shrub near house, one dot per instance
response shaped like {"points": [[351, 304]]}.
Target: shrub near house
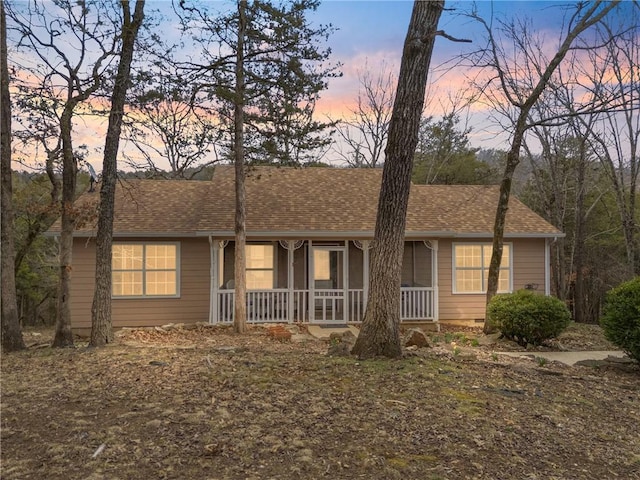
{"points": [[527, 317], [621, 317]]}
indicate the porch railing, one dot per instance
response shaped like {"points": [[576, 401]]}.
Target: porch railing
{"points": [[272, 306], [416, 303]]}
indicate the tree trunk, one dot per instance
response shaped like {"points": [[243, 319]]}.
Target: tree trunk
{"points": [[101, 329], [11, 332], [380, 333], [513, 159], [579, 301], [63, 334], [240, 304]]}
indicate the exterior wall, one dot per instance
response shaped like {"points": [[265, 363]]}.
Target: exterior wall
{"points": [[528, 268], [192, 305]]}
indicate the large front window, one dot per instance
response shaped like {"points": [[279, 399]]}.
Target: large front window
{"points": [[471, 268], [145, 270], [260, 267]]}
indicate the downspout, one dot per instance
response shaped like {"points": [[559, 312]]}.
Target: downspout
{"points": [[547, 265]]}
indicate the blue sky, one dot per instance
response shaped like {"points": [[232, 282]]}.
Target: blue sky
{"points": [[373, 31]]}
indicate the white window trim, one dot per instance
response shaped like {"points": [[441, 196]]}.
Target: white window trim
{"points": [[483, 244], [143, 270]]}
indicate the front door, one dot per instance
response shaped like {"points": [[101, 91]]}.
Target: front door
{"points": [[329, 287]]}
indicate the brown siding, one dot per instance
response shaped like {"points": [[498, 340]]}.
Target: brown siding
{"points": [[191, 307], [528, 267]]}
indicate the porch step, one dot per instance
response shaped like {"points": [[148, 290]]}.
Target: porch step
{"points": [[325, 331]]}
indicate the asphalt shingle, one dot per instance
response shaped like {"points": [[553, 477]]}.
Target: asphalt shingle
{"points": [[315, 201]]}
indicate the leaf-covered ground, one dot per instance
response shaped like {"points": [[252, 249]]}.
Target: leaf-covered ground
{"points": [[205, 404]]}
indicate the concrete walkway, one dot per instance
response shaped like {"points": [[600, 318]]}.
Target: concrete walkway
{"points": [[323, 333], [572, 358]]}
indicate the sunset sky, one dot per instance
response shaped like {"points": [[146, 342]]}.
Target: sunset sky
{"points": [[370, 33]]}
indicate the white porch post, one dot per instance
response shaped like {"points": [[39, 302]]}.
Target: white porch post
{"points": [[312, 300], [434, 279], [213, 301], [290, 283], [345, 279], [365, 273]]}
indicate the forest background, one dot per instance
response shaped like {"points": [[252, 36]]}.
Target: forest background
{"points": [[579, 163]]}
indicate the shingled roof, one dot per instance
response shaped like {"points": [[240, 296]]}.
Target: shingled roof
{"points": [[305, 203]]}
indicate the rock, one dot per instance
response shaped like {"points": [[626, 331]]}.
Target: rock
{"points": [[342, 337], [348, 337], [417, 337], [489, 339], [335, 337], [294, 329], [339, 350], [279, 332]]}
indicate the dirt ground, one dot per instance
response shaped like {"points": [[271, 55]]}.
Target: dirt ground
{"points": [[206, 404]]}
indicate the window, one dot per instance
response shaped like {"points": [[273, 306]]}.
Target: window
{"points": [[260, 267], [145, 270], [471, 268], [321, 265]]}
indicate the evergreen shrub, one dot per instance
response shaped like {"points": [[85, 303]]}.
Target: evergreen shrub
{"points": [[528, 317], [620, 318]]}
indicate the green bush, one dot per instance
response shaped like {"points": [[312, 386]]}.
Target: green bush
{"points": [[528, 317], [620, 318]]}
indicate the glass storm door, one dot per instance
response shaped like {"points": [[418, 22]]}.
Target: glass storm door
{"points": [[328, 269]]}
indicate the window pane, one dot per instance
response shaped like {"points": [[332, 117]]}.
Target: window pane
{"points": [[127, 283], [161, 283], [126, 257], [506, 256], [259, 279], [468, 280], [468, 256], [160, 257], [259, 256], [321, 265], [503, 281]]}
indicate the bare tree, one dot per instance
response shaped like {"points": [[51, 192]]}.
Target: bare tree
{"points": [[71, 67], [10, 328], [380, 333], [614, 134], [101, 330], [169, 123], [362, 137], [517, 89]]}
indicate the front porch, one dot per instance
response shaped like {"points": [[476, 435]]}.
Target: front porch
{"points": [[317, 282]]}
